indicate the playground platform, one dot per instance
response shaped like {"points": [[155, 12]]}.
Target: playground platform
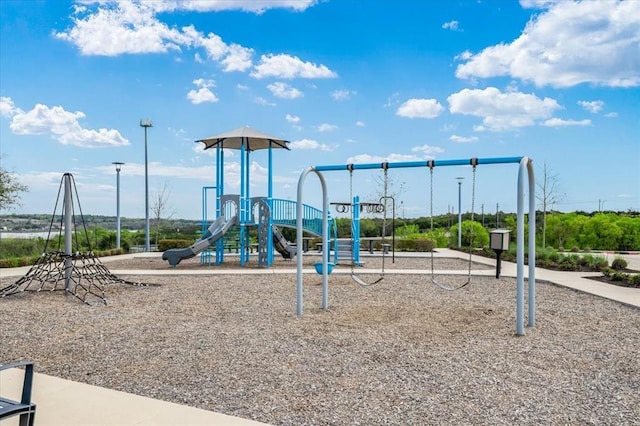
{"points": [[61, 401]]}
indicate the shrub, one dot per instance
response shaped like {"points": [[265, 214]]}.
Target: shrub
{"points": [[619, 264], [423, 244], [9, 263], [599, 263], [585, 260], [164, 245], [634, 280], [606, 271], [575, 249], [618, 276]]}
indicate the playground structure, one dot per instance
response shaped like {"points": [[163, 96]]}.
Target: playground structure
{"points": [[77, 273], [241, 212], [525, 167]]}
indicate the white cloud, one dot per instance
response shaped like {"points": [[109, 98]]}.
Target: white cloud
{"points": [[61, 125], [392, 158], [451, 25], [360, 123], [324, 127], [292, 118], [284, 91], [289, 67], [237, 58], [8, 108], [611, 115], [567, 44], [463, 139], [203, 94], [501, 111], [262, 101], [164, 170], [342, 95], [309, 144], [466, 55], [113, 29], [420, 108], [125, 27], [427, 150], [592, 106], [558, 122], [392, 100], [255, 6]]}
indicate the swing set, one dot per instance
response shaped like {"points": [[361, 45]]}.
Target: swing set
{"points": [[525, 167]]}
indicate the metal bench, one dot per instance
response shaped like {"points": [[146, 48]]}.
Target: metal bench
{"points": [[23, 408]]}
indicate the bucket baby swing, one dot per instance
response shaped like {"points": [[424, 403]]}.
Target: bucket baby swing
{"points": [[467, 281], [373, 208]]}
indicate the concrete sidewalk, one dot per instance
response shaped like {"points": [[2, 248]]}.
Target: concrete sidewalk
{"points": [[67, 403]]}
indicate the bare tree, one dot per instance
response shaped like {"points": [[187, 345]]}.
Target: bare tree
{"points": [[10, 189], [548, 194], [388, 187], [160, 206]]}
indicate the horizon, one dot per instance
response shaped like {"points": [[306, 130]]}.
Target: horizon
{"points": [[547, 81]]}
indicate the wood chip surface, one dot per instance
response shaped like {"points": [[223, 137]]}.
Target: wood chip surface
{"points": [[402, 352]]}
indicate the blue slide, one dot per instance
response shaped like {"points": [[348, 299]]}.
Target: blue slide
{"points": [[217, 229]]}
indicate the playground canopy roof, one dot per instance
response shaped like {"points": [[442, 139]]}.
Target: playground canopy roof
{"points": [[250, 138]]}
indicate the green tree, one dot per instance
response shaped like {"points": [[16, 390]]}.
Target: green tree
{"points": [[630, 227], [601, 232], [480, 235], [10, 189]]}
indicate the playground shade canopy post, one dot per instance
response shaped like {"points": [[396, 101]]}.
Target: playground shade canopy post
{"points": [[246, 140], [246, 137]]}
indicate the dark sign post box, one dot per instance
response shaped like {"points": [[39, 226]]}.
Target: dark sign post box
{"points": [[499, 242]]}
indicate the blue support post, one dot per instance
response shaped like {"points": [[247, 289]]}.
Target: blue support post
{"points": [[355, 229], [219, 194]]}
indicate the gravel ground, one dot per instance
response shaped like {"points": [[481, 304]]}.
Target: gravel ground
{"points": [[400, 352]]}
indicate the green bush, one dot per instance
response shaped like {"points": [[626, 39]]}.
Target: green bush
{"points": [[618, 276], [619, 264], [164, 245], [415, 244], [9, 263], [634, 280], [480, 235], [598, 263], [423, 244]]}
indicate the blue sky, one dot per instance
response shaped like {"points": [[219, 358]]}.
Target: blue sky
{"points": [[344, 81]]}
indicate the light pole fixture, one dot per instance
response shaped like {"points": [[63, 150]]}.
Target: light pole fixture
{"points": [[459, 179], [118, 168], [146, 124]]}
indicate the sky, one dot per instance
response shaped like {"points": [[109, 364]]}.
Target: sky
{"points": [[344, 81]]}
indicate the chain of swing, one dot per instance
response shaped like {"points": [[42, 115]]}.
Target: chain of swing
{"points": [[440, 284], [354, 276], [443, 285]]}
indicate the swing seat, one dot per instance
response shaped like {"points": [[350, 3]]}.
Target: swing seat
{"points": [[319, 270], [364, 283]]}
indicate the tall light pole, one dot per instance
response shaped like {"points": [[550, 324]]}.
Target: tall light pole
{"points": [[118, 167], [146, 124], [459, 179]]}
